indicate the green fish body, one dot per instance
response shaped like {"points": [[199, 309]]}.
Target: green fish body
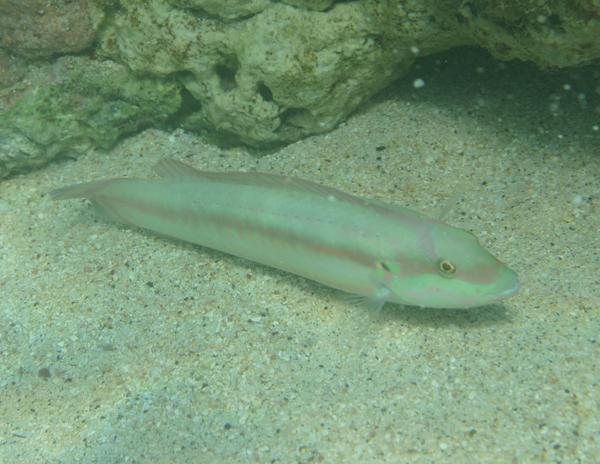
{"points": [[381, 252]]}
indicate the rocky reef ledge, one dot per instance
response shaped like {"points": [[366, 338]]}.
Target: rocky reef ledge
{"points": [[81, 74]]}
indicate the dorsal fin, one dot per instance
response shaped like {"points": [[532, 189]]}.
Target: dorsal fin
{"points": [[174, 168], [171, 168]]}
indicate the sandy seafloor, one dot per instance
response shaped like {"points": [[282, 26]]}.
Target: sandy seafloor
{"points": [[121, 346]]}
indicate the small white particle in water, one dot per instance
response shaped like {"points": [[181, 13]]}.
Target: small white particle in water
{"points": [[443, 446], [596, 127], [567, 86], [577, 201], [480, 69], [331, 198], [560, 136], [418, 83], [415, 50]]}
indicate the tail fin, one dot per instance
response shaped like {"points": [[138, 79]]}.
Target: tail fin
{"points": [[85, 190], [98, 192]]}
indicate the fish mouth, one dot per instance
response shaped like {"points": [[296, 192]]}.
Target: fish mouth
{"points": [[510, 291]]}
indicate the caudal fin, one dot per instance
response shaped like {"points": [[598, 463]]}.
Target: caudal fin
{"points": [[102, 194], [86, 190]]}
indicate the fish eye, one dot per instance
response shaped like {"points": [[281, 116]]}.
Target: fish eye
{"points": [[446, 267]]}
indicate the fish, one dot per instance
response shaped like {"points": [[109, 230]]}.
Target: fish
{"points": [[377, 251]]}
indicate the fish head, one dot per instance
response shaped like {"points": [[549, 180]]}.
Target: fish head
{"points": [[448, 269]]}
